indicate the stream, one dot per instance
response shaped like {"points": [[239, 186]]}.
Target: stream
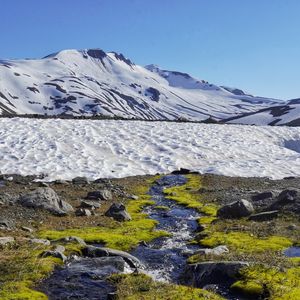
{"points": [[164, 258]]}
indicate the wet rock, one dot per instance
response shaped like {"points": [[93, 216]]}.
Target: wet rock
{"points": [[264, 216], [92, 251], [219, 250], [262, 196], [202, 274], [118, 212], [90, 204], [83, 212], [47, 199], [40, 241], [57, 253], [237, 209], [80, 180], [104, 194], [6, 240]]}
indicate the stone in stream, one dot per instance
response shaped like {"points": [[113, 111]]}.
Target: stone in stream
{"points": [[202, 274], [104, 194], [118, 212], [92, 251], [264, 216], [237, 209], [47, 199]]}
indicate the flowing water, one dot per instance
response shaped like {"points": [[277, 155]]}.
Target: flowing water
{"points": [[164, 258]]}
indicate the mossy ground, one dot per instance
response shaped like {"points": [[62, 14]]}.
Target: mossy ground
{"points": [[142, 287]]}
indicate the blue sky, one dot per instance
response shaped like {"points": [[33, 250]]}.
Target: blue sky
{"points": [[250, 44]]}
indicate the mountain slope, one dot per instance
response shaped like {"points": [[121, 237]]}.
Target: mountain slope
{"points": [[286, 114], [93, 82]]}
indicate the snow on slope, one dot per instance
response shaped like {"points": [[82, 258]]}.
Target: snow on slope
{"points": [[288, 114], [92, 82], [68, 148]]}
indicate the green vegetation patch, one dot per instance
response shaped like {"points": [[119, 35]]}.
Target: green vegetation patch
{"points": [[122, 236], [137, 287]]}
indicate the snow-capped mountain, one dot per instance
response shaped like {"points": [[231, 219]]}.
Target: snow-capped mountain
{"points": [[93, 82], [286, 114]]}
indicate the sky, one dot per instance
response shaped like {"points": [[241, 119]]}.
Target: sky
{"points": [[253, 45]]}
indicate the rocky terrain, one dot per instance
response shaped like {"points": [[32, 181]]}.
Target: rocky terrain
{"points": [[178, 236]]}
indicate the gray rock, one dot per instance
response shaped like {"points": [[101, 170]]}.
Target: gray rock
{"points": [[5, 224], [219, 250], [118, 212], [286, 197], [6, 240], [83, 212], [58, 253], [80, 180], [92, 251], [40, 241], [104, 194], [47, 199], [237, 209], [264, 216], [90, 204], [262, 196], [43, 184], [27, 229], [202, 274]]}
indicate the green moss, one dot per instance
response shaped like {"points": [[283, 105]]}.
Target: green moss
{"points": [[122, 236], [243, 242], [206, 220], [279, 284], [187, 195], [137, 287]]}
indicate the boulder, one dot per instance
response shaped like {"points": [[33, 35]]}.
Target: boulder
{"points": [[92, 251], [264, 216], [83, 212], [237, 209], [80, 180], [262, 196], [6, 240], [202, 274], [219, 250], [104, 194], [47, 199], [89, 204], [286, 197], [118, 212]]}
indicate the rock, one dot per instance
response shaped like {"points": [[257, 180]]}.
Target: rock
{"points": [[70, 239], [292, 227], [262, 196], [181, 171], [58, 253], [118, 212], [40, 241], [59, 181], [206, 273], [219, 250], [104, 194], [46, 198], [264, 216], [89, 204], [6, 240], [80, 180], [133, 197], [43, 184], [7, 199], [237, 209], [83, 212], [92, 251], [27, 229], [5, 224], [286, 197]]}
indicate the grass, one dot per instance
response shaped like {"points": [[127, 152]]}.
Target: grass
{"points": [[142, 287]]}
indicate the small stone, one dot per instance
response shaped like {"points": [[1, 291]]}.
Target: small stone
{"points": [[43, 184], [6, 240], [118, 212], [219, 250], [264, 216], [40, 241], [262, 196], [104, 194], [27, 229], [133, 197], [237, 209], [5, 224], [83, 212], [292, 227], [90, 204]]}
